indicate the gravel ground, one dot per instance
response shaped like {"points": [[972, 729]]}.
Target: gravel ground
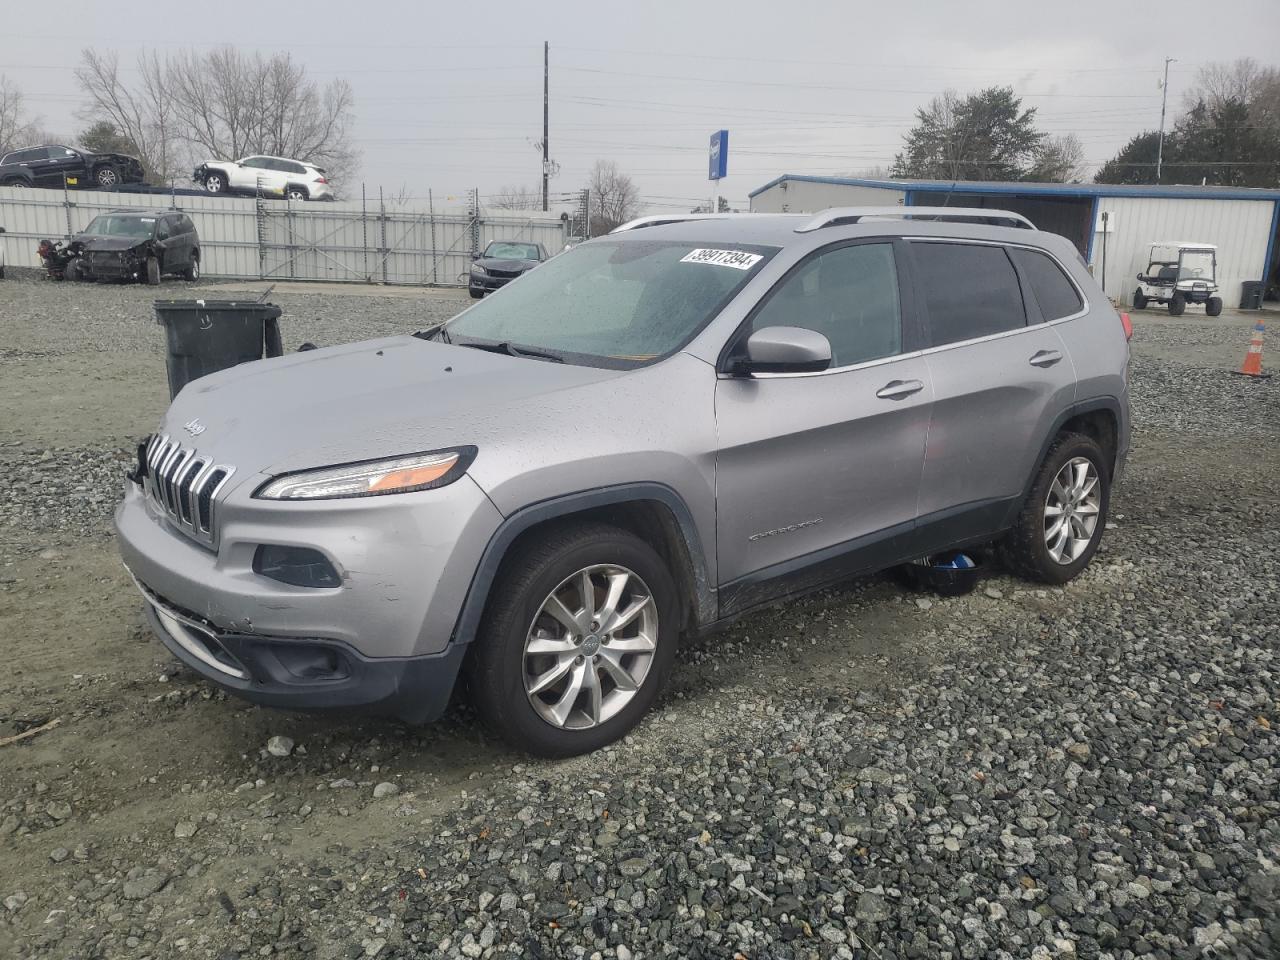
{"points": [[1024, 772]]}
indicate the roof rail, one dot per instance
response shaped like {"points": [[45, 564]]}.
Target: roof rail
{"points": [[659, 219], [842, 216]]}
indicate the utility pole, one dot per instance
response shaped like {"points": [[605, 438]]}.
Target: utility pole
{"points": [[547, 163], [1164, 103]]}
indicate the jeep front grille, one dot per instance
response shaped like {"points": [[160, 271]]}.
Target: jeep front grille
{"points": [[185, 485]]}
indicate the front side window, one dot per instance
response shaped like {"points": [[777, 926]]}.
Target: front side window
{"points": [[849, 295], [1056, 294], [616, 303], [970, 290], [258, 163]]}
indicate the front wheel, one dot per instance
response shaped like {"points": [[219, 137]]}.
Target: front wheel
{"points": [[216, 183], [1177, 305], [1213, 306], [1139, 299], [192, 272], [476, 294], [73, 270], [1061, 523], [153, 272], [577, 640], [107, 177]]}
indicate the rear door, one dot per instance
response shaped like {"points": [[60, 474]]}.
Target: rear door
{"points": [[1000, 376], [246, 173], [818, 474]]}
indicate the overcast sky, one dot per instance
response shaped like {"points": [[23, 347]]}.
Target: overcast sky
{"points": [[449, 95]]}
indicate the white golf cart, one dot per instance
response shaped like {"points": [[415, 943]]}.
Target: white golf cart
{"points": [[1179, 273]]}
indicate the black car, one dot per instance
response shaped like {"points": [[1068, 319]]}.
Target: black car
{"points": [[134, 245], [48, 165], [501, 262]]}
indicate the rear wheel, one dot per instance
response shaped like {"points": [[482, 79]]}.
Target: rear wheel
{"points": [[1177, 305], [153, 272], [1061, 523], [1139, 299], [1213, 306], [578, 639], [297, 193], [215, 182]]}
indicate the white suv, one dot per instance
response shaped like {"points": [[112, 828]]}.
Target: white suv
{"points": [[273, 176]]}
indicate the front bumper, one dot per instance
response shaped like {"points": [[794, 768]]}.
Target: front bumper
{"points": [[383, 639], [289, 674], [487, 282]]}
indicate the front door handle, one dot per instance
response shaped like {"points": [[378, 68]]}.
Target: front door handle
{"points": [[899, 389], [1045, 358]]}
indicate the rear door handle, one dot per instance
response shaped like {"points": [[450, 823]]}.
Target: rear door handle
{"points": [[1045, 358], [899, 389]]}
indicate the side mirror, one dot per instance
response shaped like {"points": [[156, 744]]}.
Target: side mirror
{"points": [[784, 350], [1139, 276]]}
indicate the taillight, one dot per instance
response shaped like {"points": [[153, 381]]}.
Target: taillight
{"points": [[1128, 326], [321, 180]]}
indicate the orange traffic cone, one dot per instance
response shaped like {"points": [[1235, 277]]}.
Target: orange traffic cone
{"points": [[1252, 366]]}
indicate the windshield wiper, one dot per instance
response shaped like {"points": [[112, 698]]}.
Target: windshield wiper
{"points": [[510, 349], [434, 333]]}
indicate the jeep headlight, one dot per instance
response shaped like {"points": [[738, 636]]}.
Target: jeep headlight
{"points": [[371, 478], [478, 270]]}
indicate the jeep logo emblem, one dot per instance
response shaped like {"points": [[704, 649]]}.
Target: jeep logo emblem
{"points": [[194, 427]]}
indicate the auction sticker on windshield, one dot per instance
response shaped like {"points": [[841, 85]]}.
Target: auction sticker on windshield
{"points": [[737, 259]]}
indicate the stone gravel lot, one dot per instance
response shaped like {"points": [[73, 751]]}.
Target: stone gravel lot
{"points": [[1084, 772]]}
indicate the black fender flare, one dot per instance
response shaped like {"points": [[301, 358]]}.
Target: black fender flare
{"points": [[1109, 403], [704, 596]]}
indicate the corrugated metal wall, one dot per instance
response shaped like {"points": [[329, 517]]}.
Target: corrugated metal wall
{"points": [[349, 241], [801, 196], [1239, 228]]}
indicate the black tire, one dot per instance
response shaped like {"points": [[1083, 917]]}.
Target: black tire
{"points": [[1213, 306], [215, 182], [496, 668], [153, 272], [476, 294], [107, 176], [192, 273], [1, 271], [1139, 300], [73, 271], [294, 192], [1024, 550], [1177, 305], [15, 183]]}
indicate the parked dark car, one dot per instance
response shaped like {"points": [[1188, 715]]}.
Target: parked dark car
{"points": [[47, 165], [501, 262], [131, 245]]}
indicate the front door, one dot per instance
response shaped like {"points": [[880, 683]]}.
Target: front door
{"points": [[818, 475]]}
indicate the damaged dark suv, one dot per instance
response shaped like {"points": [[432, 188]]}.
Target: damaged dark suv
{"points": [[134, 245]]}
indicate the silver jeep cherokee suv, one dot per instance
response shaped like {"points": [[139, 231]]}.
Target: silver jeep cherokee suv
{"points": [[653, 433]]}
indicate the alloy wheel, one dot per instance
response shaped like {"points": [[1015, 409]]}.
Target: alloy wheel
{"points": [[590, 647], [1071, 510], [107, 178]]}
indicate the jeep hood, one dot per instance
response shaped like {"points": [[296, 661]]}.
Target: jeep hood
{"points": [[97, 244], [377, 398], [499, 264]]}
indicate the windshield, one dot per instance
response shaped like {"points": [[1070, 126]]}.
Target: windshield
{"points": [[505, 250], [112, 225], [1197, 265], [621, 302]]}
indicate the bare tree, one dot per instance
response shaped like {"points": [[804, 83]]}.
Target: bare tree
{"points": [[231, 103], [614, 197], [1059, 160], [517, 198], [222, 103], [15, 126], [143, 112], [1241, 80]]}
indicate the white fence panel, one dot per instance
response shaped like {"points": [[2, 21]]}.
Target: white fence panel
{"points": [[349, 241]]}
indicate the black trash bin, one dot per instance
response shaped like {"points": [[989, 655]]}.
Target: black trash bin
{"points": [[206, 336], [1251, 295]]}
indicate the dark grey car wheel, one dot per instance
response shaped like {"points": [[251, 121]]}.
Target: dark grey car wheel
{"points": [[1064, 515], [107, 177], [577, 640]]}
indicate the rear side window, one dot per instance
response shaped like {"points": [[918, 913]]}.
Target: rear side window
{"points": [[1056, 294], [970, 291]]}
